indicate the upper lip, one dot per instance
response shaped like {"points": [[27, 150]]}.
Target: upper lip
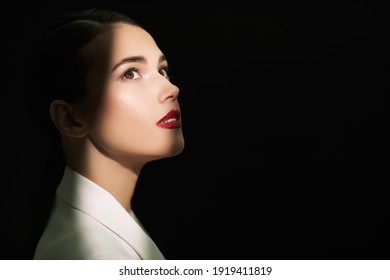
{"points": [[171, 115]]}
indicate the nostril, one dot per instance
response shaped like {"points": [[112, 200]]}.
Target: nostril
{"points": [[170, 93]]}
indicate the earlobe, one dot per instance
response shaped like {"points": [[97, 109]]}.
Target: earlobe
{"points": [[63, 118]]}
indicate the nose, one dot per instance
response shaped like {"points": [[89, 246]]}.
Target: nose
{"points": [[168, 91]]}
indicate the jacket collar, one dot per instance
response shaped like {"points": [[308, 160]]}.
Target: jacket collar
{"points": [[85, 195]]}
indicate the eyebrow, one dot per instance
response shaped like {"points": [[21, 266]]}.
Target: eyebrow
{"points": [[138, 58]]}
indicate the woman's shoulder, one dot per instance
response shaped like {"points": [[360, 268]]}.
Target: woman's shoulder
{"points": [[72, 234]]}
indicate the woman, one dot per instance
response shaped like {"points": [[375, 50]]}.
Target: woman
{"points": [[104, 93]]}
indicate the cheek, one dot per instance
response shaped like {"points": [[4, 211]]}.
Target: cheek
{"points": [[119, 113], [122, 122]]}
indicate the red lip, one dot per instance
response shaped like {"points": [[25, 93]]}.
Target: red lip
{"points": [[170, 120]]}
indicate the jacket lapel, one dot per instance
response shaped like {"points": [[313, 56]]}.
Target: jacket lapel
{"points": [[86, 196]]}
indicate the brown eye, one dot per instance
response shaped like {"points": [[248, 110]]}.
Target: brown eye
{"points": [[131, 74], [164, 72]]}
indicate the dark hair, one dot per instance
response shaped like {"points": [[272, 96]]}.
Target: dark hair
{"points": [[57, 69]]}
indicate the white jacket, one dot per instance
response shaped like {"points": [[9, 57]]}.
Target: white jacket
{"points": [[87, 222]]}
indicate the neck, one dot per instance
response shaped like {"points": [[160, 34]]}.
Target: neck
{"points": [[117, 178]]}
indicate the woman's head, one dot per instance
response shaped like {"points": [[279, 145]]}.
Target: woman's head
{"points": [[104, 82]]}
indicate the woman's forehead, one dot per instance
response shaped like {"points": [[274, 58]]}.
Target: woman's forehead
{"points": [[121, 41], [130, 36]]}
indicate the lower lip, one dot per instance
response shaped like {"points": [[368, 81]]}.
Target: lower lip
{"points": [[170, 125]]}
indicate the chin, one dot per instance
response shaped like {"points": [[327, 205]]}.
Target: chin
{"points": [[173, 150], [177, 149]]}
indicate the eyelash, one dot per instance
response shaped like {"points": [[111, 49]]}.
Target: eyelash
{"points": [[133, 69]]}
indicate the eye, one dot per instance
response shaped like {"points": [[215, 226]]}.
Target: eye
{"points": [[131, 74], [164, 72]]}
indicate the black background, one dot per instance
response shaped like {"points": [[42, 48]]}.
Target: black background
{"points": [[284, 111]]}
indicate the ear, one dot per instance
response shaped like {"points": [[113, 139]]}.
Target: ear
{"points": [[62, 115]]}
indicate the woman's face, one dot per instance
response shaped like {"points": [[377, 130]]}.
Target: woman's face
{"points": [[131, 110]]}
